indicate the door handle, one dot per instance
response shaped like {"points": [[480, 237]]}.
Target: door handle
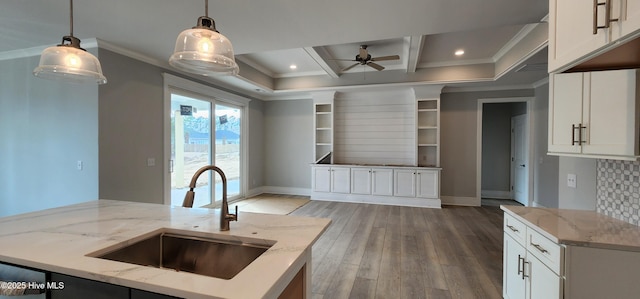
{"points": [[521, 165], [607, 17]]}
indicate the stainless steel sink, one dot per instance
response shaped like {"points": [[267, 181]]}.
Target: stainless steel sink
{"points": [[213, 257]]}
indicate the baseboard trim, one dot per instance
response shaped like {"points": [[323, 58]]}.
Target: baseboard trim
{"points": [[282, 190], [377, 199], [497, 194], [461, 201]]}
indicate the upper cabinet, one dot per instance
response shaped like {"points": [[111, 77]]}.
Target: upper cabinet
{"points": [[593, 34], [594, 114]]}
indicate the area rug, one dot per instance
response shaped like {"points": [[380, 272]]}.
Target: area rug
{"points": [[271, 204]]}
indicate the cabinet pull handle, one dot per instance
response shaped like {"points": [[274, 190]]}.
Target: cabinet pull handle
{"points": [[521, 269], [580, 127], [607, 17], [573, 134], [513, 228], [540, 248]]}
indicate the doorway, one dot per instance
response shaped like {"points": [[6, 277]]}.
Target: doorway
{"points": [[504, 168], [203, 126]]}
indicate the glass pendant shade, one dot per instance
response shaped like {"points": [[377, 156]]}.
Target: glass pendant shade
{"points": [[69, 62], [203, 50]]}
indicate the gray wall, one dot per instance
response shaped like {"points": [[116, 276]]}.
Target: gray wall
{"points": [[583, 197], [545, 180], [496, 144], [45, 127], [458, 138], [288, 139], [131, 129]]}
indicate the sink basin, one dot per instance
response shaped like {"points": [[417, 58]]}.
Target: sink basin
{"points": [[210, 256]]}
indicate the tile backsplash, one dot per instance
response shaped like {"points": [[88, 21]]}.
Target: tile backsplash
{"points": [[618, 189]]}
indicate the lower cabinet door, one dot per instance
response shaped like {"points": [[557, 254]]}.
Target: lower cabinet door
{"points": [[545, 284], [80, 288], [341, 179], [360, 180], [428, 184], [382, 181], [514, 283], [404, 182]]}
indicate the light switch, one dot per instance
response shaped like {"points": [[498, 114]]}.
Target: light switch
{"points": [[151, 162], [79, 165], [571, 180]]}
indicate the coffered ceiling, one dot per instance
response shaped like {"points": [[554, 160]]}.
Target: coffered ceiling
{"points": [[503, 40]]}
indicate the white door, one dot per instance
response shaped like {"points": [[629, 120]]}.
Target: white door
{"points": [[544, 283], [520, 161]]}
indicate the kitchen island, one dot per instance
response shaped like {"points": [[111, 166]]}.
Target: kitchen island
{"points": [[560, 253], [61, 240]]}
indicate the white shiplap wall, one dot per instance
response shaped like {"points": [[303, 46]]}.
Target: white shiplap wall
{"points": [[375, 128]]}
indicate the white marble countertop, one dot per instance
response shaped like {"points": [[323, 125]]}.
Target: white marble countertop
{"points": [[59, 240], [577, 227]]}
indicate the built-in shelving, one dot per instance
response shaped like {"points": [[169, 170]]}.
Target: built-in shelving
{"points": [[428, 133], [323, 137]]}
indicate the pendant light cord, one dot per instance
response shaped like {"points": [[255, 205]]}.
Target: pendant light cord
{"points": [[71, 18], [206, 8]]}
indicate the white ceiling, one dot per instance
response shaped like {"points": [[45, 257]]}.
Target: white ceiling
{"points": [[270, 35]]}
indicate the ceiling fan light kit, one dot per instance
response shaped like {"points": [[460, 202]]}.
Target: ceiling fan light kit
{"points": [[364, 58], [69, 62], [203, 50]]}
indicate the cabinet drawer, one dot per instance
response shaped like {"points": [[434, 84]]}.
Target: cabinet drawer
{"points": [[515, 229], [547, 251]]}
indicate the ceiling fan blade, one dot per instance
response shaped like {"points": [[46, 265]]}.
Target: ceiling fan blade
{"points": [[350, 67], [342, 59], [375, 66], [382, 58]]}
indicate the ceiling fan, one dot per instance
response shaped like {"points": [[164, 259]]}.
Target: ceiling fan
{"points": [[364, 58]]}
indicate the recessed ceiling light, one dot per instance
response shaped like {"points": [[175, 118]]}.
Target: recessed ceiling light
{"points": [[459, 52], [293, 66]]}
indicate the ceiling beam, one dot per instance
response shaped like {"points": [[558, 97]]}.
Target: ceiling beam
{"points": [[321, 56], [413, 49]]}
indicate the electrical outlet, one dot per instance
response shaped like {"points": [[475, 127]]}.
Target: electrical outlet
{"points": [[572, 180], [79, 165]]}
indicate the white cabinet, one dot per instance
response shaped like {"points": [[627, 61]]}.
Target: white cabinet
{"points": [[374, 181], [580, 30], [417, 182], [594, 114], [361, 180], [404, 181], [403, 186], [525, 275], [331, 179], [340, 179], [382, 181], [321, 179], [427, 183]]}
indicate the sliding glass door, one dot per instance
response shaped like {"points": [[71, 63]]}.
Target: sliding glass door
{"points": [[228, 135], [191, 147]]}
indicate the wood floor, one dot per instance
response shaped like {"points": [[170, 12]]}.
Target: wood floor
{"points": [[376, 251]]}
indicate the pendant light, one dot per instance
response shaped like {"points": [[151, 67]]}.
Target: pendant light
{"points": [[203, 50], [69, 62]]}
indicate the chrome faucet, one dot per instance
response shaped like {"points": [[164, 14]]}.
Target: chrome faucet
{"points": [[225, 216]]}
